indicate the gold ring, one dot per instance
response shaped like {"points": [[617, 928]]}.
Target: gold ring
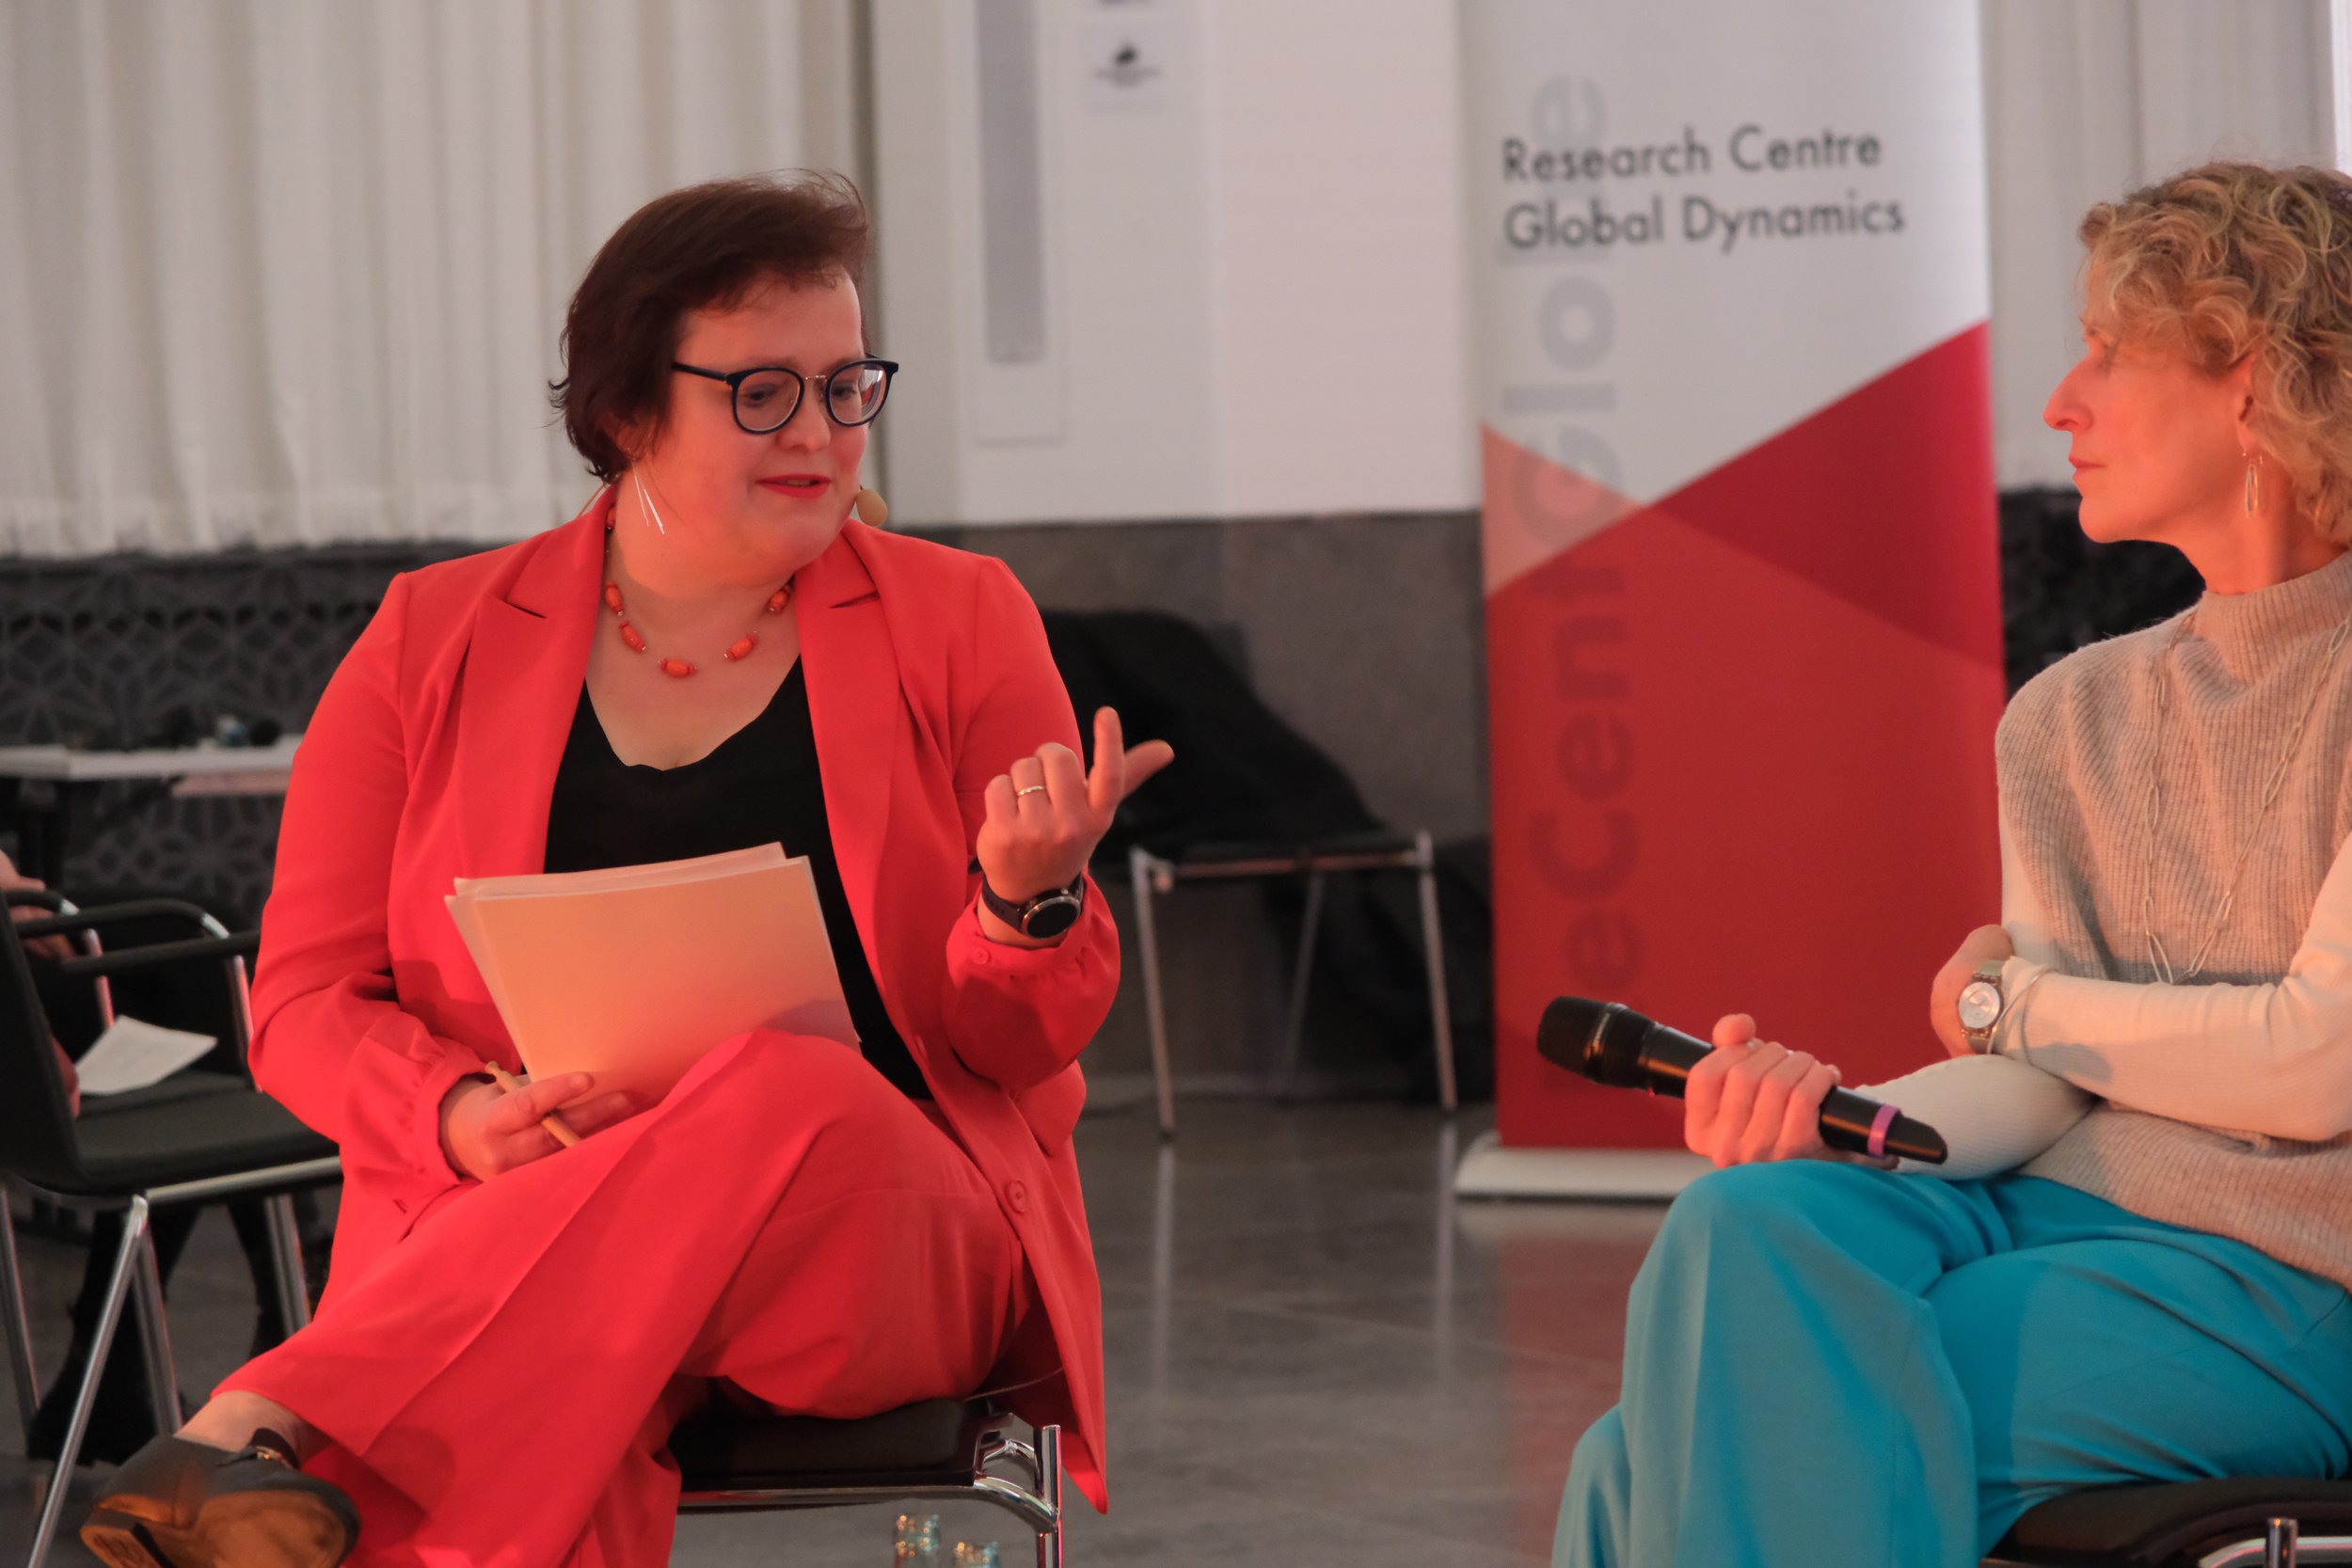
{"points": [[1032, 789]]}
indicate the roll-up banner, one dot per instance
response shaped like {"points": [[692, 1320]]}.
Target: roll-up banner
{"points": [[1743, 599]]}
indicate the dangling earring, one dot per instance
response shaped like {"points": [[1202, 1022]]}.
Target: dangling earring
{"points": [[646, 501], [871, 509], [2254, 483]]}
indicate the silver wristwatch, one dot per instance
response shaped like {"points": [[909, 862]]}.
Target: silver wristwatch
{"points": [[1980, 1005]]}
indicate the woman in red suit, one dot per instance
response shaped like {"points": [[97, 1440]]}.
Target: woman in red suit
{"points": [[713, 655]]}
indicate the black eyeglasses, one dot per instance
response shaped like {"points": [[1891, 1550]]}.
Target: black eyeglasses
{"points": [[767, 396]]}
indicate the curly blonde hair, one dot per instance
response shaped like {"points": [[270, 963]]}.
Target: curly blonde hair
{"points": [[2228, 260]]}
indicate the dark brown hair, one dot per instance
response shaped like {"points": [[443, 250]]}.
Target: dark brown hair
{"points": [[705, 247]]}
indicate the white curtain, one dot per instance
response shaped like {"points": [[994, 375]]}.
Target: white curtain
{"points": [[2088, 99], [282, 272]]}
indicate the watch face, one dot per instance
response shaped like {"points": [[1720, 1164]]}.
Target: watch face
{"points": [[1050, 918], [1979, 1005]]}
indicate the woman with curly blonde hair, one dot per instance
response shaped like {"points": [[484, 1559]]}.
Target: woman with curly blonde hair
{"points": [[1828, 1363]]}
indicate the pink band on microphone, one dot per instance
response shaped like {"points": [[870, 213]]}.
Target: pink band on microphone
{"points": [[1879, 1124]]}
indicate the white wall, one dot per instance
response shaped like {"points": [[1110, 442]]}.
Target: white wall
{"points": [[1339, 256], [1253, 254]]}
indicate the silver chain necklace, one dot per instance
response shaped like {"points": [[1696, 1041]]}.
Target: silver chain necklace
{"points": [[2158, 959]]}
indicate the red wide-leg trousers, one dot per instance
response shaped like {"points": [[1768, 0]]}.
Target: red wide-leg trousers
{"points": [[498, 1388]]}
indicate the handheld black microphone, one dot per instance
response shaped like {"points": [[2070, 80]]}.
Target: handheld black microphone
{"points": [[1611, 1044]]}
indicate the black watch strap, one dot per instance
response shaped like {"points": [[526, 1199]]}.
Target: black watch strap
{"points": [[1048, 914]]}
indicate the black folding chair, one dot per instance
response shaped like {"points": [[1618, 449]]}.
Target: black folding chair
{"points": [[938, 1450], [1251, 799], [182, 1143], [1313, 861], [2196, 1524]]}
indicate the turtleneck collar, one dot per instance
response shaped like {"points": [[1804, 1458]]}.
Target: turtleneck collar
{"points": [[2246, 628]]}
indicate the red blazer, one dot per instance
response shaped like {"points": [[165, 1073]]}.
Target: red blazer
{"points": [[433, 755]]}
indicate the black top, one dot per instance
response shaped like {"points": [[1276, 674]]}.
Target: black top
{"points": [[760, 787]]}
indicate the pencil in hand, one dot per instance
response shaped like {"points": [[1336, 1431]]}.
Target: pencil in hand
{"points": [[560, 1129]]}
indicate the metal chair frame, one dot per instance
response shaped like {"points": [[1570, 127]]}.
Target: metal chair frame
{"points": [[1038, 1504], [1153, 876], [135, 1270], [2280, 1544], [136, 1275]]}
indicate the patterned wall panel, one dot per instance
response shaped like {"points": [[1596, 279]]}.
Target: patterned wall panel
{"points": [[127, 650]]}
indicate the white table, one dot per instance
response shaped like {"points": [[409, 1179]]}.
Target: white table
{"points": [[62, 774]]}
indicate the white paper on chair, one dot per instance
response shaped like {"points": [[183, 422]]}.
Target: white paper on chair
{"points": [[133, 1053]]}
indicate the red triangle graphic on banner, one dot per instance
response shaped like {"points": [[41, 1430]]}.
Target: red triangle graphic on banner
{"points": [[1859, 498], [1742, 744]]}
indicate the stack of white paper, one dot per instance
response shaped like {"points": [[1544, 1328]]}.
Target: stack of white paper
{"points": [[634, 973]]}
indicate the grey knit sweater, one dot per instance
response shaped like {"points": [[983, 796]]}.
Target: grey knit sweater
{"points": [[2225, 1101]]}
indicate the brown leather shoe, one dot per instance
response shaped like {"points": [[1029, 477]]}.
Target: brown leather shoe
{"points": [[176, 1504]]}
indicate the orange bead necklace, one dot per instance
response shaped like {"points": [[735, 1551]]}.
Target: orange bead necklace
{"points": [[738, 650]]}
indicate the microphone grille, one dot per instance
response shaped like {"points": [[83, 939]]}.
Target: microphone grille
{"points": [[1600, 1040], [1570, 1035]]}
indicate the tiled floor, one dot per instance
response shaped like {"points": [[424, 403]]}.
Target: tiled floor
{"points": [[1317, 1356]]}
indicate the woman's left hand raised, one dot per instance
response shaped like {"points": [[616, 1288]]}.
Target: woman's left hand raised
{"points": [[1047, 813]]}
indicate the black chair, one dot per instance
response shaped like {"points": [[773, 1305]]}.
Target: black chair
{"points": [[1314, 861], [2196, 1524], [184, 1143], [938, 1450], [1252, 797]]}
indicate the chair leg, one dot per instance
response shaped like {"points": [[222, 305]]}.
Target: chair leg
{"points": [[1161, 1332], [110, 1318], [21, 1370], [2280, 1543], [1049, 1488], [240, 993], [285, 1246], [1142, 868], [162, 1372], [92, 944], [1295, 1024], [1433, 953]]}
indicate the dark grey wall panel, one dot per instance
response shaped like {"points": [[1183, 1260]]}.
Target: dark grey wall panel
{"points": [[1365, 633]]}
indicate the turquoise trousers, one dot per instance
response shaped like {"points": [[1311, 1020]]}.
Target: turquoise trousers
{"points": [[1830, 1367]]}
